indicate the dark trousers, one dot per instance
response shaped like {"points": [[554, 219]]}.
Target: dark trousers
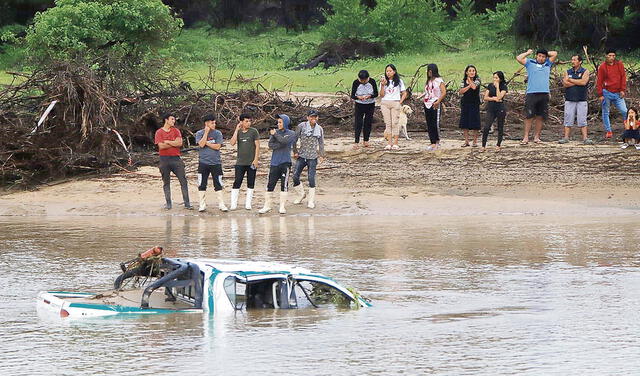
{"points": [[492, 115], [363, 120], [279, 173], [251, 176], [432, 116], [204, 170], [311, 171], [175, 165]]}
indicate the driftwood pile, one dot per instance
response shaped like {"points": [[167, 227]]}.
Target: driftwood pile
{"points": [[91, 127]]}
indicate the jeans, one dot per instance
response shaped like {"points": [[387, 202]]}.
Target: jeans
{"points": [[493, 114], [169, 164], [364, 117], [239, 176], [311, 173], [610, 97], [204, 170]]}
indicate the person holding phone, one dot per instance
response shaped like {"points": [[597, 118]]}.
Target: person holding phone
{"points": [[209, 141], [470, 105], [280, 142], [248, 141]]}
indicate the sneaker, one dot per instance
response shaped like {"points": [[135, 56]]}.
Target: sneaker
{"points": [[608, 135], [432, 147], [387, 147], [588, 141], [167, 207], [563, 141], [637, 146], [624, 146], [395, 147], [188, 207]]}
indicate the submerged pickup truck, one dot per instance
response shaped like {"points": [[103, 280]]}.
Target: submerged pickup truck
{"points": [[155, 285]]}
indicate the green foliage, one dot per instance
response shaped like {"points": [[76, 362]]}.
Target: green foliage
{"points": [[500, 21], [99, 29], [348, 19], [592, 6], [397, 24], [470, 29]]}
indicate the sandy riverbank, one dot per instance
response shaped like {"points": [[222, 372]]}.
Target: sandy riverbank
{"points": [[546, 179]]}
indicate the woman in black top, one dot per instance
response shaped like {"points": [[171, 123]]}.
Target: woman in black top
{"points": [[470, 105], [494, 97], [364, 91]]}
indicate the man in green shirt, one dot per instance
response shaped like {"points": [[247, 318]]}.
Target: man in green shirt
{"points": [[248, 141]]}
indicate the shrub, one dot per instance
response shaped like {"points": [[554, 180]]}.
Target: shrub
{"points": [[397, 24]]}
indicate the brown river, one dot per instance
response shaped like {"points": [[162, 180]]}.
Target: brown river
{"points": [[489, 295]]}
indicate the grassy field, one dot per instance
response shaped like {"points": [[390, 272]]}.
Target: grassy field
{"points": [[236, 57], [244, 58]]}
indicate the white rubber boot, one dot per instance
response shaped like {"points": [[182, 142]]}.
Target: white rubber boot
{"points": [[247, 202], [235, 193], [202, 198], [312, 198], [299, 194], [283, 202], [267, 203], [221, 204]]}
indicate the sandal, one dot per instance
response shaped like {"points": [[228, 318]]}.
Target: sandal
{"points": [[464, 145], [524, 142]]}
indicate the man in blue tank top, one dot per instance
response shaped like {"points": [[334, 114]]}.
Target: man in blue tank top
{"points": [[576, 108]]}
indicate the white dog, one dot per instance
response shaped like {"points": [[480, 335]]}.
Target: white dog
{"points": [[405, 111]]}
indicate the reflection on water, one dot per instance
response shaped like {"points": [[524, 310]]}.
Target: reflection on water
{"points": [[479, 295]]}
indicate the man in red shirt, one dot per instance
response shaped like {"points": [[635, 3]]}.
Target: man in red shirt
{"points": [[611, 85], [169, 140]]}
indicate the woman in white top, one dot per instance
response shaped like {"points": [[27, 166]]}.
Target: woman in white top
{"points": [[393, 93], [434, 93]]}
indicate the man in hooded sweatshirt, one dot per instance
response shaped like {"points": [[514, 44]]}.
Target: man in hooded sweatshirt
{"points": [[281, 142], [310, 153], [611, 86]]}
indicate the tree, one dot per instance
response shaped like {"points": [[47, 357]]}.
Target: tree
{"points": [[118, 39]]}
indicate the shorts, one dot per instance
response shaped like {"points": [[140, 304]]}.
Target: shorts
{"points": [[575, 113], [536, 104]]}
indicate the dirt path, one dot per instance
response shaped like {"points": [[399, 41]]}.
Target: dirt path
{"points": [[547, 179]]}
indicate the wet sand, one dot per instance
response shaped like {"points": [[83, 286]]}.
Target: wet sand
{"points": [[546, 179]]}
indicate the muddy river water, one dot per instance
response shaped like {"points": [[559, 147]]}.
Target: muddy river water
{"points": [[508, 295]]}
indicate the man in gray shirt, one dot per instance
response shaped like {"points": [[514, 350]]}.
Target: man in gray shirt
{"points": [[309, 154], [209, 140]]}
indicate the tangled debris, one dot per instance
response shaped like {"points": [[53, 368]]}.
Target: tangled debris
{"points": [[93, 128]]}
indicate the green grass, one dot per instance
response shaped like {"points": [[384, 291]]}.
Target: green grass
{"points": [[235, 57], [242, 58]]}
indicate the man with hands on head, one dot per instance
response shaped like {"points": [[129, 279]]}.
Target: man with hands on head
{"points": [[537, 95]]}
